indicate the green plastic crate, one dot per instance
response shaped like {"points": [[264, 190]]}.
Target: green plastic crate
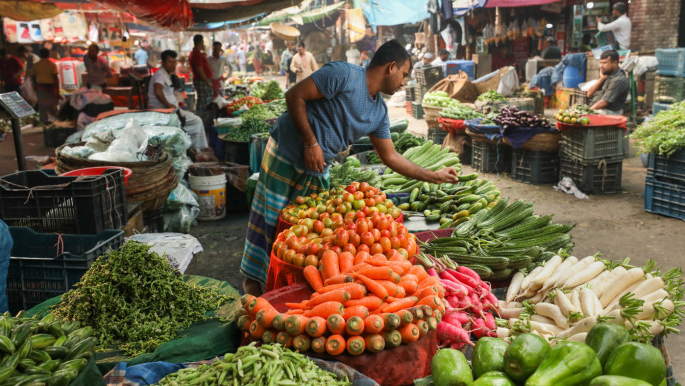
{"points": [[416, 110], [487, 158], [591, 145], [669, 89]]}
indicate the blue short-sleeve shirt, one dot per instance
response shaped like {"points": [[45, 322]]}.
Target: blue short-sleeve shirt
{"points": [[346, 113]]}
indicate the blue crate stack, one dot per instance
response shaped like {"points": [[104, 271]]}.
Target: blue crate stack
{"points": [[665, 185], [669, 86]]}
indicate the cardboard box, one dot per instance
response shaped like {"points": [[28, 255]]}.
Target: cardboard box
{"points": [[483, 64]]}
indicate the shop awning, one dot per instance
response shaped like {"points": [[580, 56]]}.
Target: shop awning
{"points": [[303, 17], [28, 11], [173, 15], [392, 12], [515, 3], [209, 11]]}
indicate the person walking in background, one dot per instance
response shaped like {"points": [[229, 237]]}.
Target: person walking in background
{"points": [[291, 75], [242, 59], [202, 75], [303, 63], [552, 51], [218, 65], [353, 55], [45, 78], [141, 56], [620, 27], [257, 59], [11, 68], [285, 58], [27, 57], [230, 56], [364, 59], [97, 68], [181, 66]]}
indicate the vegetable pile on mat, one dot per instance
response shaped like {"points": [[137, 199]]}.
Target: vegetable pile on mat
{"points": [[428, 156], [350, 171], [135, 301], [664, 133]]}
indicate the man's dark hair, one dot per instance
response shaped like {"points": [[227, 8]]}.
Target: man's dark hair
{"points": [[44, 53], [620, 8], [443, 52], [217, 44], [610, 54], [300, 44], [197, 39], [169, 54], [389, 52], [22, 50]]}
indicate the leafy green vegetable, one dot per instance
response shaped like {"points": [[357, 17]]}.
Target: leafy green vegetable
{"points": [[346, 173], [491, 96], [247, 128], [438, 99], [460, 111], [663, 134], [272, 91]]}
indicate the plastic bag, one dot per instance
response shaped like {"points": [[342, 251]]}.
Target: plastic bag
{"points": [[78, 151], [28, 91], [175, 141], [116, 123], [180, 196], [180, 220], [126, 147], [567, 185]]}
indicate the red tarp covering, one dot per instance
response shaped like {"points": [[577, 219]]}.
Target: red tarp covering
{"points": [[173, 15]]}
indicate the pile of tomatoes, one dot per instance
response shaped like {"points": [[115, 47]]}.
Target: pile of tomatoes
{"points": [[305, 243], [334, 206]]}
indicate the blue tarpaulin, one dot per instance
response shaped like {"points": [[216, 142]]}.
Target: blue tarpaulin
{"points": [[392, 12]]}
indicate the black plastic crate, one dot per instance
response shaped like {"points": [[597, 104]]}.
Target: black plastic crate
{"points": [[598, 178], [664, 198], [487, 158], [55, 136], [416, 110], [154, 220], [592, 145], [535, 167], [466, 154], [672, 167], [429, 76], [437, 135], [44, 265], [73, 205]]}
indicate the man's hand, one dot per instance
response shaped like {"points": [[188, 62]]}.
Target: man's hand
{"points": [[313, 158], [446, 175]]}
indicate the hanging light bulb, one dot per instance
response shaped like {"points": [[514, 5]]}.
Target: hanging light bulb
{"points": [[590, 5], [549, 25]]}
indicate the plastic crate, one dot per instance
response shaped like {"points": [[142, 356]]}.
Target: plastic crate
{"points": [[454, 66], [407, 107], [154, 220], [535, 167], [410, 93], [55, 136], [672, 167], [599, 178], [669, 89], [591, 145], [466, 155], [658, 107], [578, 97], [73, 205], [429, 76], [488, 158], [664, 198], [671, 61], [41, 267], [437, 135], [416, 110], [419, 92]]}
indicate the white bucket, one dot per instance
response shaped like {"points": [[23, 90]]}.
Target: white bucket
{"points": [[211, 192]]}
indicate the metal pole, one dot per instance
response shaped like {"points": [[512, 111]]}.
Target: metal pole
{"points": [[18, 144]]}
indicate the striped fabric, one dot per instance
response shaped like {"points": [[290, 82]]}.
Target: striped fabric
{"points": [[203, 95], [279, 183]]}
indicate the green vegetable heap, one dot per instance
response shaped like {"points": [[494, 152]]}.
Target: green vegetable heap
{"points": [[664, 133], [135, 301], [251, 365], [438, 99], [460, 111], [403, 142], [272, 91], [350, 171], [42, 351], [249, 127], [491, 96]]}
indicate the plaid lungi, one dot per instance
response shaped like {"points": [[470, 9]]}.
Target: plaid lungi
{"points": [[279, 183], [203, 94]]}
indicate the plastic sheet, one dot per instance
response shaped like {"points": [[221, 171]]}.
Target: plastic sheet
{"points": [[178, 248], [171, 15]]}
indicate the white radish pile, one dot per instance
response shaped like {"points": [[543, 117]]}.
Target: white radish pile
{"points": [[565, 298]]}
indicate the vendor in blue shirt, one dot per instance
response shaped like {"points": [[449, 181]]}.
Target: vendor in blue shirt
{"points": [[327, 112]]}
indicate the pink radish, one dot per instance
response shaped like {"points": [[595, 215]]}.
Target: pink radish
{"points": [[490, 321], [461, 317], [479, 329], [432, 272], [450, 334], [465, 279]]}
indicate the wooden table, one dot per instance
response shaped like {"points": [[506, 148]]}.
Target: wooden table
{"points": [[121, 91]]}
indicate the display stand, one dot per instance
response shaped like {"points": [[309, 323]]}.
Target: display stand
{"points": [[13, 108]]}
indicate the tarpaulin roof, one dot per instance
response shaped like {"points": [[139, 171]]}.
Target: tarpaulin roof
{"points": [[304, 16], [216, 10], [392, 12], [28, 11], [515, 3], [174, 15]]}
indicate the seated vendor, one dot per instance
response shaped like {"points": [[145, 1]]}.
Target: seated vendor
{"points": [[611, 90], [161, 96]]}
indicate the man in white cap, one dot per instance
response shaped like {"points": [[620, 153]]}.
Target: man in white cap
{"points": [[425, 61]]}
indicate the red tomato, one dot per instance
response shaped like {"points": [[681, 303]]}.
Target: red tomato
{"points": [[367, 238], [349, 217], [318, 226], [403, 240], [411, 248], [376, 248], [385, 233], [379, 256], [351, 227], [389, 254], [336, 249], [361, 226], [376, 235], [359, 215], [311, 260], [401, 229], [351, 248], [313, 248], [311, 236], [355, 239], [365, 210], [370, 194], [364, 186], [303, 249], [363, 248], [359, 196], [351, 188], [298, 260], [383, 223], [294, 242], [324, 215], [394, 242], [289, 256], [336, 216], [281, 251], [385, 244], [370, 202], [393, 229], [337, 224], [342, 238], [299, 200], [403, 252], [326, 232]]}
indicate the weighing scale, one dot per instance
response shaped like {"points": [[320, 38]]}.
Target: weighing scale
{"points": [[13, 108]]}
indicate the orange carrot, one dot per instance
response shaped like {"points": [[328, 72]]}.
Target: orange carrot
{"points": [[244, 322], [361, 257], [417, 312], [373, 324], [335, 324], [411, 277], [354, 326], [378, 260], [423, 327], [334, 296], [389, 286], [313, 277], [333, 287], [298, 306], [346, 261], [405, 264], [295, 324], [410, 333], [426, 291], [395, 278], [285, 339], [370, 302], [360, 266], [256, 330], [340, 279], [429, 281], [391, 321], [355, 345], [269, 336], [418, 271], [319, 345], [393, 339], [406, 317], [374, 343], [400, 304], [357, 291], [400, 292], [427, 310], [433, 301], [377, 273], [294, 312], [266, 316], [360, 311], [316, 327], [373, 286], [246, 299], [256, 305], [302, 342], [331, 266], [279, 321], [326, 309], [335, 345], [397, 257], [410, 286]]}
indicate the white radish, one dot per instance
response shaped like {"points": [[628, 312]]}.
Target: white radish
{"points": [[598, 306], [620, 284], [545, 329], [608, 281], [648, 286], [528, 279], [537, 298], [546, 272], [578, 267], [542, 319], [648, 310], [514, 286], [655, 327], [615, 317], [584, 325], [561, 270], [579, 337], [655, 296], [592, 283], [575, 299], [584, 276], [553, 312], [618, 297], [564, 303], [508, 313], [587, 302], [502, 332]]}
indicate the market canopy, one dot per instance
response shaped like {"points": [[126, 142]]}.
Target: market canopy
{"points": [[210, 11], [392, 12], [174, 15], [301, 17], [463, 6], [28, 11]]}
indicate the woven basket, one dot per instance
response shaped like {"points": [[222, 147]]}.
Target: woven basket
{"points": [[432, 123], [284, 32], [547, 142], [431, 112], [477, 137], [154, 195]]}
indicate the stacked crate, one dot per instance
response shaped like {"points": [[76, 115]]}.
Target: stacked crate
{"points": [[669, 86], [489, 158], [665, 185], [593, 158]]}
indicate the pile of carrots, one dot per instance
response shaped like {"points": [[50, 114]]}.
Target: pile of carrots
{"points": [[361, 303]]}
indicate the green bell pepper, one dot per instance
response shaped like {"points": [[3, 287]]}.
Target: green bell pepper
{"points": [[604, 338], [568, 363], [450, 368], [638, 361]]}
